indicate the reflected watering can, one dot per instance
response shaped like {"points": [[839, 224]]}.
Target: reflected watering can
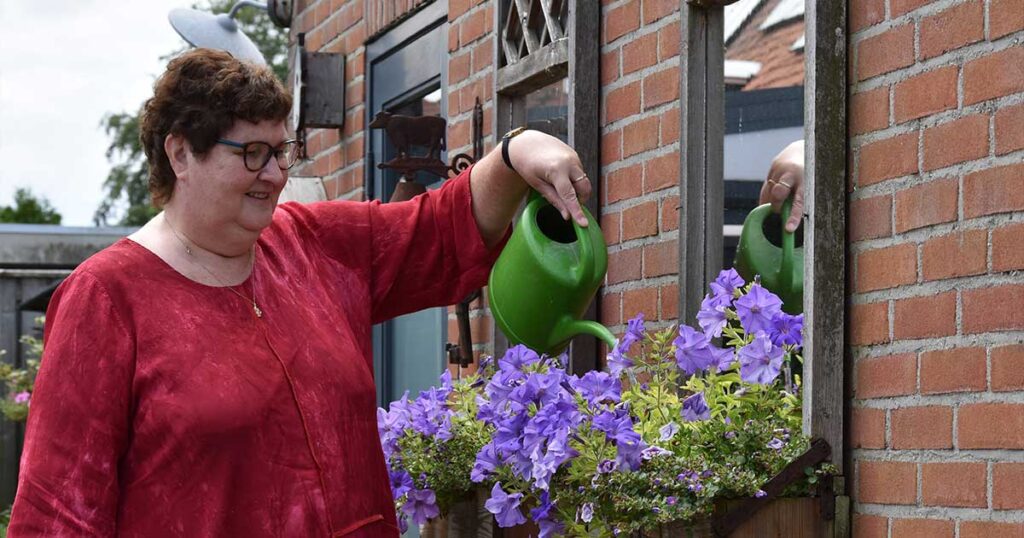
{"points": [[546, 277], [771, 252]]}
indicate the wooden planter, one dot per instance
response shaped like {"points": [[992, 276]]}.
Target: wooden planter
{"points": [[781, 518]]}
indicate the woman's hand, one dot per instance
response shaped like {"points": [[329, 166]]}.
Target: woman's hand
{"points": [[552, 168], [785, 178]]}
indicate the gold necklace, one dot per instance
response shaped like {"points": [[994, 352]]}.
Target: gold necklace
{"points": [[252, 263]]}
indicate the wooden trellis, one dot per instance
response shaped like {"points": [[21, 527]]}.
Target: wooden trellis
{"points": [[531, 25]]}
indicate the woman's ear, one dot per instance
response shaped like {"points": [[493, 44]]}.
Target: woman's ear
{"points": [[177, 149]]}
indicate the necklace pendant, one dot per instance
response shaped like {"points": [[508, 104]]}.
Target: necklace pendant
{"points": [[259, 313]]}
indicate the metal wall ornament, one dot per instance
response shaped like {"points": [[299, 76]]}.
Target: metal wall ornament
{"points": [[430, 132]]}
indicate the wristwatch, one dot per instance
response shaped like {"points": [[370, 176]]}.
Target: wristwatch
{"points": [[504, 146]]}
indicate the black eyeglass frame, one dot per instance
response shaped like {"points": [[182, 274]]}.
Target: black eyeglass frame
{"points": [[277, 152]]}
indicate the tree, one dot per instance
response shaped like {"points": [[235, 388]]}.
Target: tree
{"points": [[126, 189], [28, 209]]}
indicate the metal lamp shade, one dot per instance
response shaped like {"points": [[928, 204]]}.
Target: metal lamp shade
{"points": [[210, 31]]}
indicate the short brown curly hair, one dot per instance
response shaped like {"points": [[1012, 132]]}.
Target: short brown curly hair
{"points": [[200, 96]]}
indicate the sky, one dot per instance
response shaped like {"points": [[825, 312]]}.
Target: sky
{"points": [[64, 65]]}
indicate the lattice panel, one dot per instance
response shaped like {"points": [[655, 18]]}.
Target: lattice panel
{"points": [[530, 25]]}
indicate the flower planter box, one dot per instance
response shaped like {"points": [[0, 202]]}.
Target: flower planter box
{"points": [[781, 518]]}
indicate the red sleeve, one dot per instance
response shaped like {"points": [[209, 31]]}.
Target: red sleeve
{"points": [[78, 418], [417, 254]]}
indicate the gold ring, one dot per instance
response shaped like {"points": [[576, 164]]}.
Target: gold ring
{"points": [[787, 185], [581, 178]]}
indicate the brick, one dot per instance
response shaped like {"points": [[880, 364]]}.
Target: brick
{"points": [[1005, 17], [922, 528], [670, 125], [640, 136], [610, 67], [640, 221], [639, 53], [621, 20], [868, 526], [610, 227], [611, 308], [925, 94], [624, 265], [661, 87], [995, 75], [643, 300], [622, 102], [925, 317], [670, 213], [611, 147], [661, 172], [458, 67], [624, 183], [993, 309], [991, 529], [887, 267], [902, 7], [669, 302], [1009, 129], [661, 259], [869, 323], [990, 425], [955, 255], [952, 28], [668, 41], [869, 111], [1006, 491], [957, 141], [871, 218], [888, 51], [1008, 368], [867, 428], [866, 13], [483, 57], [883, 377], [922, 427], [658, 9], [953, 370], [889, 158], [887, 482], [475, 26], [996, 190], [954, 484]]}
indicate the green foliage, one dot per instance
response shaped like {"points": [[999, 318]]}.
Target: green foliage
{"points": [[28, 209], [126, 198], [20, 382]]}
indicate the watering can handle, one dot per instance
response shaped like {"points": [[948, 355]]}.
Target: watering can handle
{"points": [[786, 271], [585, 270]]}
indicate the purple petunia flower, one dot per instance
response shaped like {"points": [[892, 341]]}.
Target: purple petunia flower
{"points": [[711, 316], [722, 358], [760, 360], [505, 507], [654, 451], [693, 350], [776, 444], [787, 330], [599, 387], [401, 483], [587, 512], [696, 408], [761, 493], [545, 518], [727, 282], [605, 467], [617, 362], [757, 309], [668, 431], [421, 505], [670, 500], [22, 397], [486, 462], [517, 357]]}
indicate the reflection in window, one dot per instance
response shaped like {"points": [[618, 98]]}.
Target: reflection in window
{"points": [[547, 110], [764, 100]]}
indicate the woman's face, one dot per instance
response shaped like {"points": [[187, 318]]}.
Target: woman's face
{"points": [[221, 194]]}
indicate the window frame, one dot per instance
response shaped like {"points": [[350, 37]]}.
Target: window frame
{"points": [[701, 191]]}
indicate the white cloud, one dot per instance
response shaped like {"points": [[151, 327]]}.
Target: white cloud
{"points": [[64, 64]]}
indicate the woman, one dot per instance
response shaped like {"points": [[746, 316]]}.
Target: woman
{"points": [[211, 374]]}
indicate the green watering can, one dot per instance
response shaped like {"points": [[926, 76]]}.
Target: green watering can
{"points": [[781, 266], [546, 277]]}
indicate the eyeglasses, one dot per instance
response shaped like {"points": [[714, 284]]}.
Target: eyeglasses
{"points": [[257, 154]]}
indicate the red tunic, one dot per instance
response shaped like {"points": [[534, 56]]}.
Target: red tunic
{"points": [[165, 407]]}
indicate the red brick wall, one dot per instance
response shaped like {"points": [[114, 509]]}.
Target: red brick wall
{"points": [[640, 159], [936, 122]]}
